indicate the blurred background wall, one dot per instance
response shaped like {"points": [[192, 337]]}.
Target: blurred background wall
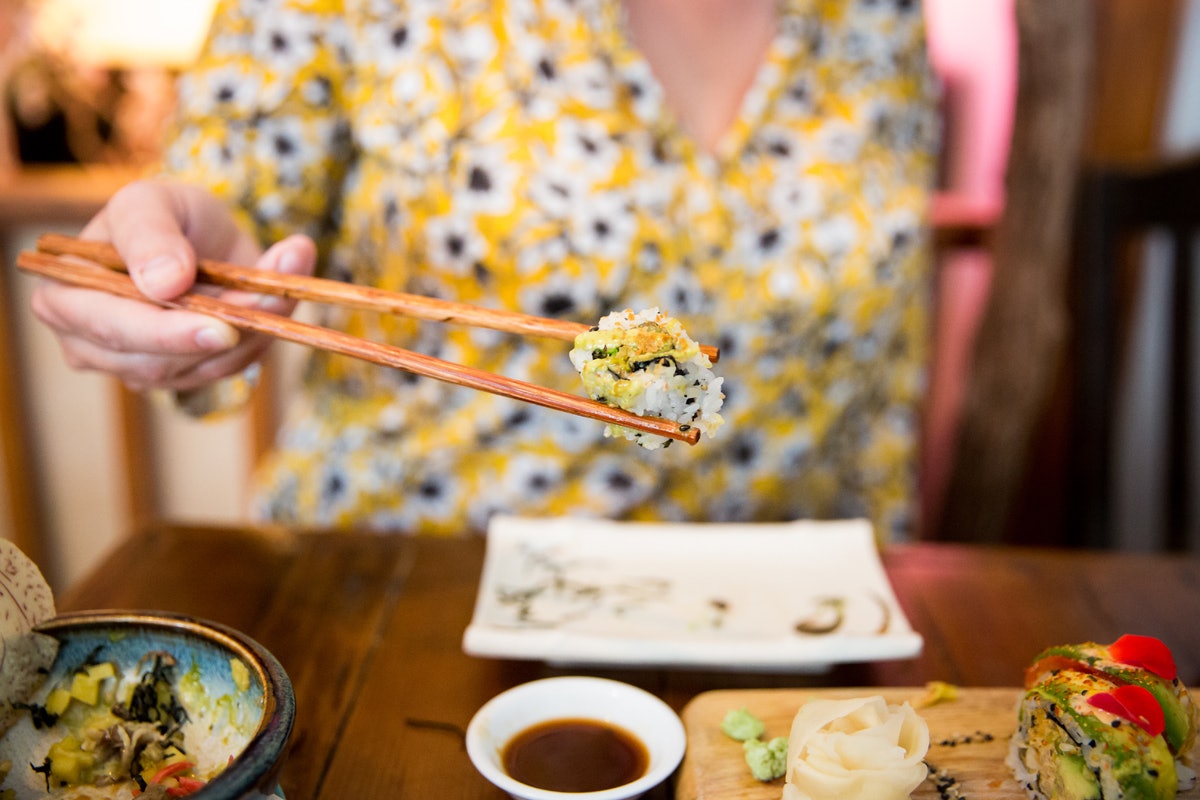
{"points": [[84, 104]]}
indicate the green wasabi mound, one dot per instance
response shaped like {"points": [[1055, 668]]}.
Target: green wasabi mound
{"points": [[740, 725], [767, 760]]}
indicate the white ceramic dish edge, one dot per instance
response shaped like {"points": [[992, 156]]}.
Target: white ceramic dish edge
{"points": [[743, 563]]}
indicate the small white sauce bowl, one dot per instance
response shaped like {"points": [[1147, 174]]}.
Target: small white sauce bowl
{"points": [[573, 697]]}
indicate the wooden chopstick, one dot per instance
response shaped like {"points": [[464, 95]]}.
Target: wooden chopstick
{"points": [[323, 290], [97, 276]]}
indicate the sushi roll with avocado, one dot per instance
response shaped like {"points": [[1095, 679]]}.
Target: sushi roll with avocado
{"points": [[645, 363], [1099, 722], [1137, 660]]}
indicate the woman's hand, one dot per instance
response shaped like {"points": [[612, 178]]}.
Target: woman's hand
{"points": [[160, 228]]}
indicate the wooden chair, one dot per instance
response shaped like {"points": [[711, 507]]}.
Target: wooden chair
{"points": [[1120, 205], [26, 516], [69, 196], [33, 197]]}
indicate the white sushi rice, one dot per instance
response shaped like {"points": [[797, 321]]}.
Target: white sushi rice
{"points": [[1020, 758], [1024, 759], [683, 388]]}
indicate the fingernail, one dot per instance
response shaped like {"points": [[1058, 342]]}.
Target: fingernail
{"points": [[216, 338], [273, 304], [161, 271], [289, 263]]}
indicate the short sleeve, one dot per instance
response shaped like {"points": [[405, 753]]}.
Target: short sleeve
{"points": [[260, 121]]}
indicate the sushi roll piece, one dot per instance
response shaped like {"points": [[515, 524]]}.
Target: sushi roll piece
{"points": [[1068, 749], [645, 362], [1093, 724], [1138, 660]]}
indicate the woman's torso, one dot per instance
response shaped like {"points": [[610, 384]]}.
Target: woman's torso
{"points": [[521, 155]]}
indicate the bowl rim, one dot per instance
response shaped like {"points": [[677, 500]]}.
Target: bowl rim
{"points": [[672, 749], [268, 743]]}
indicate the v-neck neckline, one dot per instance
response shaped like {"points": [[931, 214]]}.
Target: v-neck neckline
{"points": [[768, 78]]}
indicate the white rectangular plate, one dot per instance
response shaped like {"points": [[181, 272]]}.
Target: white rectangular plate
{"points": [[796, 596]]}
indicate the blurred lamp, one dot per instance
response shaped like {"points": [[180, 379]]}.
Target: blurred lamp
{"points": [[125, 34]]}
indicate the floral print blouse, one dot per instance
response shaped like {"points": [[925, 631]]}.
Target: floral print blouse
{"points": [[520, 154]]}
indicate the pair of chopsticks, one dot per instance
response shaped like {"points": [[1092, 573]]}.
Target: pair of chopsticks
{"points": [[97, 265]]}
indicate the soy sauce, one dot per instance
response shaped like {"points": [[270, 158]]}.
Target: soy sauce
{"points": [[575, 755]]}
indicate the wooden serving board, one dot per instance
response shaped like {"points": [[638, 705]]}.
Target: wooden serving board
{"points": [[968, 741]]}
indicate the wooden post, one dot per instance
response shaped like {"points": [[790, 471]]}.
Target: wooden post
{"points": [[1022, 335], [27, 518]]}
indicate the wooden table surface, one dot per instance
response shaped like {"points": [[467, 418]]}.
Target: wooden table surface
{"points": [[370, 629]]}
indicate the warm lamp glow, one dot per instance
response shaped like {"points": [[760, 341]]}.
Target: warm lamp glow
{"points": [[125, 33]]}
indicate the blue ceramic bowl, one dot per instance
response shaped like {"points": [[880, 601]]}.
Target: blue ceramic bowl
{"points": [[249, 723]]}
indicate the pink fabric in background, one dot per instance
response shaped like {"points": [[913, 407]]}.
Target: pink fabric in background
{"points": [[973, 49]]}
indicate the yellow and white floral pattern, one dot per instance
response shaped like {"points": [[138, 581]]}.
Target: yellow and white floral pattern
{"points": [[520, 154]]}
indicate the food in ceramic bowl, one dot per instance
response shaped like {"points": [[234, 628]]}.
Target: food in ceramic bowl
{"points": [[149, 705], [579, 737]]}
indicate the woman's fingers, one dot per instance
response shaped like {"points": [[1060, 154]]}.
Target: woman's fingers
{"points": [[142, 345], [160, 228], [121, 325], [295, 255], [145, 222], [143, 371]]}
